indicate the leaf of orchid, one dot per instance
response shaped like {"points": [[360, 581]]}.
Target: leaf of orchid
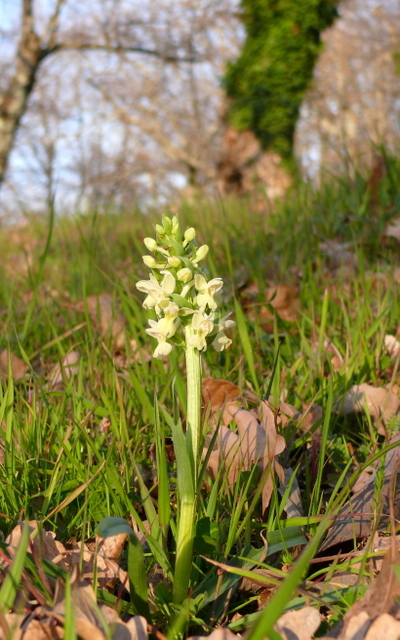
{"points": [[182, 302]]}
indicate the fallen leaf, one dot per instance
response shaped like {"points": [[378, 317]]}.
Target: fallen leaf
{"points": [[381, 404], [256, 442], [10, 627], [293, 506], [218, 634], [305, 419], [39, 630], [300, 624], [285, 301], [282, 298], [44, 544], [393, 230], [355, 520], [380, 598], [336, 357], [385, 627], [340, 255], [217, 394], [63, 371], [18, 366], [392, 346]]}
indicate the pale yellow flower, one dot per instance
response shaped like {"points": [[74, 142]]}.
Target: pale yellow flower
{"points": [[202, 325], [207, 290], [221, 341]]}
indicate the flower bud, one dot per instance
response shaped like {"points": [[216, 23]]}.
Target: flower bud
{"points": [[174, 261], [189, 234], [149, 262], [167, 224], [201, 253], [176, 228], [150, 244], [160, 230], [185, 275]]}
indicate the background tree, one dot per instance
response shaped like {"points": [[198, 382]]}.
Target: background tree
{"points": [[353, 104], [128, 107], [266, 85], [137, 84]]}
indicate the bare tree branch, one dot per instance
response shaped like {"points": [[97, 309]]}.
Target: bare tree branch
{"points": [[31, 51], [150, 124], [94, 46]]}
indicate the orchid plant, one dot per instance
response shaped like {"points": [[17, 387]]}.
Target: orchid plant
{"points": [[185, 303]]}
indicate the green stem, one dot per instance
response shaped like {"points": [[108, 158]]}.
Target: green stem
{"points": [[187, 491], [184, 549], [193, 419]]}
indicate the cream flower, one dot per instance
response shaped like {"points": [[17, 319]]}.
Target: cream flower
{"points": [[163, 348], [202, 325], [221, 341], [157, 293], [162, 329], [225, 323], [207, 290]]}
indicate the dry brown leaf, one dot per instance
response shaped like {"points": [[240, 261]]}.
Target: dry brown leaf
{"points": [[285, 301], [134, 629], [89, 625], [40, 630], [219, 634], [339, 254], [392, 346], [105, 318], [112, 546], [10, 626], [282, 298], [351, 527], [385, 627], [218, 393], [107, 568], [356, 520], [310, 415], [44, 544], [293, 505], [392, 464], [393, 230], [300, 624], [381, 404], [336, 357], [63, 371], [306, 418], [256, 442], [18, 366], [381, 597]]}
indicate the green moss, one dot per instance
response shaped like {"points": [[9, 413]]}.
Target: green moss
{"points": [[268, 81]]}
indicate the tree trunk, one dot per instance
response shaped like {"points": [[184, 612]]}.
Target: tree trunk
{"points": [[244, 166], [13, 102]]}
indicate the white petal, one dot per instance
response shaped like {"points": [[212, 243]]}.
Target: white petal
{"points": [[163, 349], [200, 282]]}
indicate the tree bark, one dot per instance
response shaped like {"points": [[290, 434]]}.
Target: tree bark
{"points": [[244, 166], [32, 50], [14, 100]]}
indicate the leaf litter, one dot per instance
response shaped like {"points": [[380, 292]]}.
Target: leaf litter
{"points": [[255, 442]]}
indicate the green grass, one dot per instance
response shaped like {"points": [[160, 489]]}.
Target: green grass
{"points": [[59, 467]]}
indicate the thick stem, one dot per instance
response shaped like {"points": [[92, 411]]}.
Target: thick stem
{"points": [[188, 502], [193, 420], [184, 549]]}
